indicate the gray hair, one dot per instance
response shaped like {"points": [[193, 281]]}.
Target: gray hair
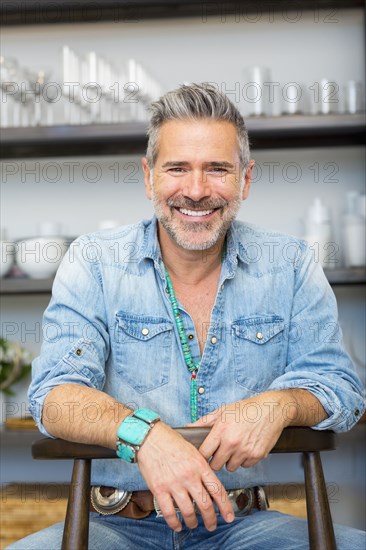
{"points": [[195, 101]]}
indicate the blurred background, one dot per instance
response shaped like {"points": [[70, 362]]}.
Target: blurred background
{"points": [[73, 115]]}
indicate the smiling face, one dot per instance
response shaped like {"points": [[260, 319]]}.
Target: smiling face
{"points": [[197, 181]]}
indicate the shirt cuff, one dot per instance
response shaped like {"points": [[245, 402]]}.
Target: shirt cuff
{"points": [[341, 418]]}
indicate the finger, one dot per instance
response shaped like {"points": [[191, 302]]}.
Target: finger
{"points": [[203, 422], [206, 507], [219, 459], [185, 505], [252, 459], [234, 462], [218, 494], [167, 509], [206, 421], [209, 445], [249, 462]]}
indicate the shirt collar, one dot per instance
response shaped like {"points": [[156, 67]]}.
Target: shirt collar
{"points": [[151, 247], [232, 252]]}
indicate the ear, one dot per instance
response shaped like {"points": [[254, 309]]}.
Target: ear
{"points": [[248, 179], [147, 173]]}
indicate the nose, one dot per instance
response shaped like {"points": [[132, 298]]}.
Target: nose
{"points": [[196, 185]]}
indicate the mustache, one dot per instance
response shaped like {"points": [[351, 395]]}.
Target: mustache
{"points": [[189, 204]]}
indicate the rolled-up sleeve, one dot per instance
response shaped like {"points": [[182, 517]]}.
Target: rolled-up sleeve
{"points": [[316, 358], [75, 333]]}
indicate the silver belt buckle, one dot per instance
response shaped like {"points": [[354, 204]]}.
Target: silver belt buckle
{"points": [[233, 495], [159, 513], [108, 505], [251, 493], [262, 498]]}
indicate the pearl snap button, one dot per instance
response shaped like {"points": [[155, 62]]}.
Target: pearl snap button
{"points": [[201, 390], [145, 331], [259, 335], [213, 340], [190, 336]]}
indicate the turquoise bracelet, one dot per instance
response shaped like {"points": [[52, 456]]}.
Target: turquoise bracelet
{"points": [[132, 433]]}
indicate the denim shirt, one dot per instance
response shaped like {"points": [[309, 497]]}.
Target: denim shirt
{"points": [[110, 326]]}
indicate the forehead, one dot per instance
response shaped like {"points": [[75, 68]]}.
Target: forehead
{"points": [[191, 140]]}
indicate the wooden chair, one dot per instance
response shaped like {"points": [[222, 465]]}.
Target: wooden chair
{"points": [[293, 440]]}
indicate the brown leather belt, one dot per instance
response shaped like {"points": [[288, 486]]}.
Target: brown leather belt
{"points": [[140, 504]]}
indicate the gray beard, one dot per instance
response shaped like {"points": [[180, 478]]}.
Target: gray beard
{"points": [[177, 232]]}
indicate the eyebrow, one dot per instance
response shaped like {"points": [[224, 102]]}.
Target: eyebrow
{"points": [[216, 164], [223, 164], [175, 163]]}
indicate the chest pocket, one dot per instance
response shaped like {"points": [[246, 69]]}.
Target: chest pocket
{"points": [[143, 350], [259, 350]]}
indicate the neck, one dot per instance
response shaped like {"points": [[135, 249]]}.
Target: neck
{"points": [[189, 266]]}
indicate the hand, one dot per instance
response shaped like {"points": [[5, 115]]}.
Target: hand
{"points": [[176, 472], [244, 432]]}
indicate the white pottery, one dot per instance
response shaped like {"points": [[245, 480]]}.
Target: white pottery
{"points": [[40, 257], [7, 257]]}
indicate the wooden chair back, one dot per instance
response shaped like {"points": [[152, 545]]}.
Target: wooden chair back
{"points": [[292, 440]]}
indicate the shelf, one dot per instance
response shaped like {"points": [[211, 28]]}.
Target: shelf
{"points": [[18, 12], [18, 438], [298, 131], [346, 276], [61, 141], [8, 286], [19, 285], [130, 138]]}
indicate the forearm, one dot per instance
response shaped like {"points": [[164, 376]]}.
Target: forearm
{"points": [[78, 413], [299, 407], [172, 467]]}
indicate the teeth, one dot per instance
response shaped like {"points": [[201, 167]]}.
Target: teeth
{"points": [[195, 212]]}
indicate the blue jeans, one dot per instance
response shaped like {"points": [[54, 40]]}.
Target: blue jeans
{"points": [[258, 531]]}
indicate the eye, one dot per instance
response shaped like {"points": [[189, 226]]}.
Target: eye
{"points": [[177, 170], [217, 170]]}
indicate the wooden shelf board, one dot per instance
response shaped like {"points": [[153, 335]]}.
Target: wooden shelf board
{"points": [[38, 12], [346, 276], [25, 286], [20, 423], [130, 138]]}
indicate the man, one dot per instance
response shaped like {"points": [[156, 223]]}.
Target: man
{"points": [[175, 318]]}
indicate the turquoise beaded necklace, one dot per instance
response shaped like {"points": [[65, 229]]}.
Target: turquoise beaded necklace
{"points": [[191, 365]]}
